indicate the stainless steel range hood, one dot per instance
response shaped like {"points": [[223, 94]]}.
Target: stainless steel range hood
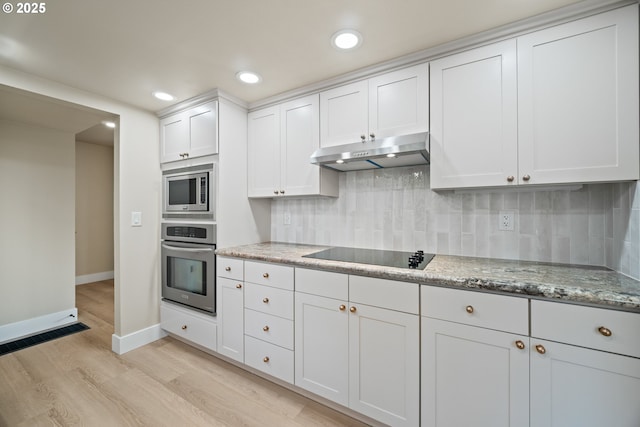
{"points": [[406, 150]]}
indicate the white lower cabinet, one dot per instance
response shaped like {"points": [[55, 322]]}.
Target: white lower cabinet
{"points": [[475, 362], [473, 376], [575, 386], [579, 384], [231, 318], [189, 325], [268, 319], [580, 366], [322, 347], [358, 355], [384, 365]]}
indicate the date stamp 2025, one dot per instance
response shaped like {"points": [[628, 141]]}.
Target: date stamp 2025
{"points": [[24, 8]]}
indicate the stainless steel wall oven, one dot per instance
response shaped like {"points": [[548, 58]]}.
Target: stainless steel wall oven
{"points": [[189, 265]]}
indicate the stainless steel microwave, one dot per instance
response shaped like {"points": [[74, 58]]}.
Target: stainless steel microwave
{"points": [[189, 192]]}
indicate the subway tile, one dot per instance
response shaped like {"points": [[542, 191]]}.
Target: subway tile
{"points": [[510, 200], [579, 200], [579, 249], [496, 202], [597, 251], [542, 201], [468, 244], [561, 250], [395, 209]]}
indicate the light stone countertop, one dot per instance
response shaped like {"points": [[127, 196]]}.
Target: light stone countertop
{"points": [[596, 286]]}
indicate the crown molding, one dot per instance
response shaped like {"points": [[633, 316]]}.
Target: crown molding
{"points": [[199, 100]]}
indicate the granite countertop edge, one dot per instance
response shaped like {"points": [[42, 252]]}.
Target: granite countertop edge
{"points": [[594, 286]]}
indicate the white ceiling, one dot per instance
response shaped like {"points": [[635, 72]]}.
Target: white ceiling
{"points": [[38, 110], [125, 49]]}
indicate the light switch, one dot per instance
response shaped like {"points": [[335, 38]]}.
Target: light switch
{"points": [[136, 219]]}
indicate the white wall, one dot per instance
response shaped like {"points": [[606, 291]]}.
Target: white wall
{"points": [[94, 211], [37, 222], [396, 209], [137, 185]]}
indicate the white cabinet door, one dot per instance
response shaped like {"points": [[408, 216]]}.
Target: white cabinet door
{"points": [[299, 138], [203, 129], [384, 365], [322, 346], [344, 114], [578, 100], [174, 137], [399, 102], [473, 376], [264, 152], [574, 386], [190, 133], [231, 318], [474, 118]]}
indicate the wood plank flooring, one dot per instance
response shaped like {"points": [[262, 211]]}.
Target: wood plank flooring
{"points": [[78, 380]]}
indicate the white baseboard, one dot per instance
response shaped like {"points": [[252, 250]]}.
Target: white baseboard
{"points": [[121, 345], [95, 277], [24, 328]]}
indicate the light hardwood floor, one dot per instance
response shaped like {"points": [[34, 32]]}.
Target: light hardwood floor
{"points": [[78, 380]]}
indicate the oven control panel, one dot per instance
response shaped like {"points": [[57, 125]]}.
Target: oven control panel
{"points": [[192, 232]]}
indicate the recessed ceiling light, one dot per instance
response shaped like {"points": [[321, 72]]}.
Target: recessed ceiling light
{"points": [[248, 77], [339, 161], [109, 124], [391, 155], [346, 39], [163, 96]]}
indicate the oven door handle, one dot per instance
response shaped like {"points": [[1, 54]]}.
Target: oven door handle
{"points": [[177, 248]]}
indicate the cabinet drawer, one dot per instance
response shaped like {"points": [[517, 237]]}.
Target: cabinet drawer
{"points": [[278, 276], [322, 283], [231, 268], [266, 327], [269, 300], [586, 326], [189, 327], [502, 313], [269, 358], [399, 296]]}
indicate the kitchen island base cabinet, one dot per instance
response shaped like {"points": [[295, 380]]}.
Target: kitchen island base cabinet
{"points": [[575, 386], [473, 376]]}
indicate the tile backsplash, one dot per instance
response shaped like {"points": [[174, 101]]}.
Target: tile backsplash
{"points": [[597, 224]]}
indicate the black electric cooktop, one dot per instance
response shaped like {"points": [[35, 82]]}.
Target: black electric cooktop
{"points": [[415, 260]]}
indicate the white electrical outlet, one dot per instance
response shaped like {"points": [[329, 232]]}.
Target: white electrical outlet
{"points": [[287, 218], [505, 221]]}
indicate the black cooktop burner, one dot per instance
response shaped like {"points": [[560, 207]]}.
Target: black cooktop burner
{"points": [[417, 260]]}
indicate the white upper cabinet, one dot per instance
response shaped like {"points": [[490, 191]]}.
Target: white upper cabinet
{"points": [[474, 117], [264, 152], [281, 141], [555, 106], [191, 133], [344, 114], [399, 102], [578, 100], [391, 104]]}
